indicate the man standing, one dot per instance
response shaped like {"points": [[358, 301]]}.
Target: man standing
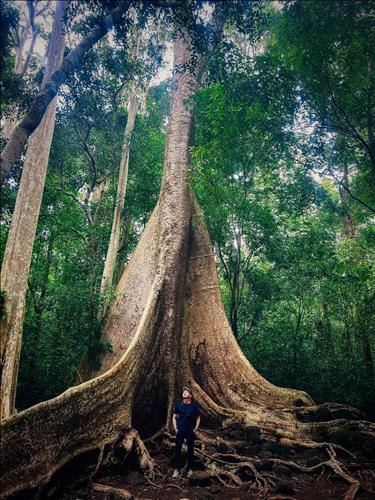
{"points": [[186, 420]]}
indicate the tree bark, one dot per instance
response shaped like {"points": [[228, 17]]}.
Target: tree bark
{"points": [[110, 261], [18, 252], [50, 88], [113, 246], [167, 327]]}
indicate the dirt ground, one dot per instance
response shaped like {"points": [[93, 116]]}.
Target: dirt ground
{"points": [[273, 463], [306, 488]]}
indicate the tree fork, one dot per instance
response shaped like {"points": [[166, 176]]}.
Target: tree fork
{"points": [[19, 136]]}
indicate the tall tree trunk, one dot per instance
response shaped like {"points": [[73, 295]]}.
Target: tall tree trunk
{"points": [[297, 341], [50, 88], [368, 358], [370, 114], [113, 246], [349, 226], [18, 252], [167, 327], [110, 261]]}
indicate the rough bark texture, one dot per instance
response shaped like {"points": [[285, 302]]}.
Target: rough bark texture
{"points": [[167, 327], [18, 252], [110, 261], [32, 119], [113, 246]]}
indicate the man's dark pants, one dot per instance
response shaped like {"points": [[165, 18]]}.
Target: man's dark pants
{"points": [[180, 437]]}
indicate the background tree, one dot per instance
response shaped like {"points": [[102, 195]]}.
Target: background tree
{"points": [[26, 35], [19, 136], [18, 251]]}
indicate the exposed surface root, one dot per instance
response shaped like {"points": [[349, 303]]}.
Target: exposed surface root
{"points": [[232, 468], [99, 462], [129, 450], [110, 490]]}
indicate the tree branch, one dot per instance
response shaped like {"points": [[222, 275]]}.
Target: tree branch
{"points": [[344, 186], [49, 90], [79, 202]]}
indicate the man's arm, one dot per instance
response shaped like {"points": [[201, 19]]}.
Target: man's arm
{"points": [[197, 423], [174, 423]]}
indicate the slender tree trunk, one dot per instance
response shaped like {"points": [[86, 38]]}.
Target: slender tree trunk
{"points": [[366, 327], [370, 115], [236, 289], [327, 339], [296, 341], [50, 88], [127, 225], [368, 358], [113, 246], [349, 226], [18, 252], [110, 261]]}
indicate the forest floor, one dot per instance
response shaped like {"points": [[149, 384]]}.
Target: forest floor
{"points": [[301, 487], [274, 473]]}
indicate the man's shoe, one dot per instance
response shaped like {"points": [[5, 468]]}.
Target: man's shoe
{"points": [[189, 473], [175, 474]]}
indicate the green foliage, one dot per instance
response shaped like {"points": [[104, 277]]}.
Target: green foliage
{"points": [[11, 84], [330, 46]]}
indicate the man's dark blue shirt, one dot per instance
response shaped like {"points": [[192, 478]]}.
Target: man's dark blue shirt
{"points": [[187, 414]]}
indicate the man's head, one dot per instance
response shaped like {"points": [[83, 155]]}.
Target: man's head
{"points": [[187, 393]]}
